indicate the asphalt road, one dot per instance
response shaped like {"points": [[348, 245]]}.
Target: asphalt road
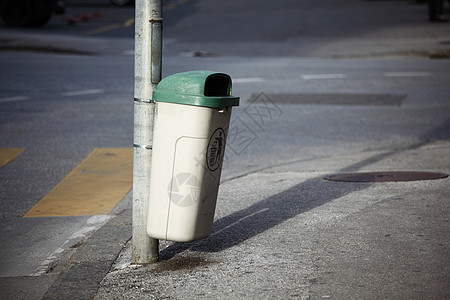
{"points": [[354, 90], [254, 28]]}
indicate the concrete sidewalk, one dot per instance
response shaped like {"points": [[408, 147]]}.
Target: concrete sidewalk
{"points": [[285, 232]]}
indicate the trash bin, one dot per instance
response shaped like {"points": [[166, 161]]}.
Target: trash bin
{"points": [[192, 116]]}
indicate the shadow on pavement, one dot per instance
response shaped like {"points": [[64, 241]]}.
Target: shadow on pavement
{"points": [[242, 225]]}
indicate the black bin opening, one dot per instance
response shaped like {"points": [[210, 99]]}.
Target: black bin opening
{"points": [[218, 85]]}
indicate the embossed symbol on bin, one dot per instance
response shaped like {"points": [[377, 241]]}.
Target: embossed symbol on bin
{"points": [[215, 151], [184, 190]]}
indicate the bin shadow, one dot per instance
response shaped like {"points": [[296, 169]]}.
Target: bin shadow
{"points": [[244, 224]]}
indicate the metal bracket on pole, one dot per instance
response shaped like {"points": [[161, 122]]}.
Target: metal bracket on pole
{"points": [[147, 74], [156, 52], [144, 100]]}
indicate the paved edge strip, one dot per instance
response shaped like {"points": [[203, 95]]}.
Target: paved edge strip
{"points": [[93, 260]]}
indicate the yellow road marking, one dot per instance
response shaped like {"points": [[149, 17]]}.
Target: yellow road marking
{"points": [[128, 23], [174, 5], [104, 29], [8, 154], [92, 188], [111, 27]]}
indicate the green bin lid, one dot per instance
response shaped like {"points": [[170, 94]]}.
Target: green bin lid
{"points": [[198, 88]]}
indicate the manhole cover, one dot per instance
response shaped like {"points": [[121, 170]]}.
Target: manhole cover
{"points": [[385, 176]]}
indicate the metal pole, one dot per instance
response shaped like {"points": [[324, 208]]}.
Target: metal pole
{"points": [[147, 74]]}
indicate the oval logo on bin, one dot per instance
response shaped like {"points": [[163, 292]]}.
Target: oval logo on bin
{"points": [[215, 151], [184, 190]]}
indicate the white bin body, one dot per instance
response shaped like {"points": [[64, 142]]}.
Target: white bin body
{"points": [[189, 144]]}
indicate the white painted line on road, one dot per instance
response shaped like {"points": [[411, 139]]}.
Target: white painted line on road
{"points": [[83, 92], [248, 80], [12, 99], [80, 235], [407, 74], [322, 76]]}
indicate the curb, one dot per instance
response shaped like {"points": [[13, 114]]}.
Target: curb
{"points": [[93, 260]]}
